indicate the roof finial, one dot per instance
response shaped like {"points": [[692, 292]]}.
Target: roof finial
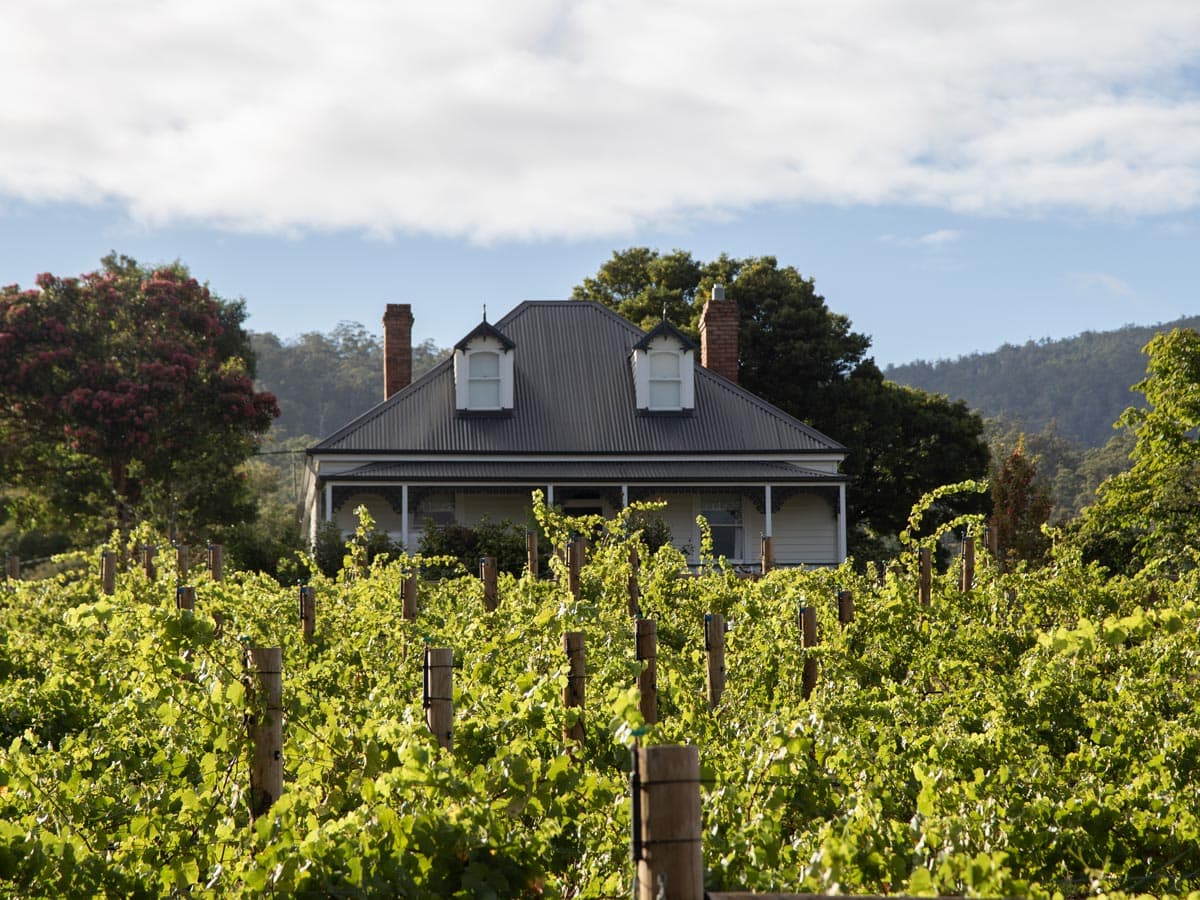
{"points": [[485, 312]]}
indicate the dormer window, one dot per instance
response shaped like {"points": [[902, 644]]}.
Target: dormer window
{"points": [[483, 372], [663, 363]]}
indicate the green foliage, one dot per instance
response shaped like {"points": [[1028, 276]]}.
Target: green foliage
{"points": [[128, 393], [467, 544], [1036, 736], [798, 354], [1149, 516]]}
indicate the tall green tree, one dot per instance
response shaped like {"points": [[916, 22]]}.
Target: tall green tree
{"points": [[807, 360], [128, 392], [1149, 515]]}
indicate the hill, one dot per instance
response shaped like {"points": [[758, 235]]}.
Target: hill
{"points": [[1080, 383]]}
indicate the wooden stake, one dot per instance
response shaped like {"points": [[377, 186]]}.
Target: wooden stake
{"points": [[439, 694], [308, 613], [925, 583], [266, 727], [108, 573], [667, 823], [216, 561], [968, 563], [408, 593], [487, 573], [767, 553], [714, 649], [183, 560], [185, 598], [635, 591], [531, 553], [808, 629], [148, 561], [573, 691], [845, 608], [12, 567], [646, 640]]}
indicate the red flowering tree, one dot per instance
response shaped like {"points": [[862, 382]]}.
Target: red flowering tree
{"points": [[131, 392]]}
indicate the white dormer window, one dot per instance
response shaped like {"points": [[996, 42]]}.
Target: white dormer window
{"points": [[663, 364], [483, 372]]}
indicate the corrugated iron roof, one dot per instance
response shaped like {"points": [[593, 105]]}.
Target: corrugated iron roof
{"points": [[573, 393], [589, 472]]}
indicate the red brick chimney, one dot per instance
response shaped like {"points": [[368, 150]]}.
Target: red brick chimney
{"points": [[397, 348], [719, 335]]}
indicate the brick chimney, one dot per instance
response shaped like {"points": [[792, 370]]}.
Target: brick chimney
{"points": [[397, 348], [719, 335]]}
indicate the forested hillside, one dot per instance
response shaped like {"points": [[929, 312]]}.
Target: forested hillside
{"points": [[1081, 383], [322, 381]]}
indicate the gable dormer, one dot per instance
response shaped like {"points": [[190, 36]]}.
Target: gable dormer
{"points": [[483, 372], [663, 365]]}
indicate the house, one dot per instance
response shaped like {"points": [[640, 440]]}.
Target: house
{"points": [[569, 397]]}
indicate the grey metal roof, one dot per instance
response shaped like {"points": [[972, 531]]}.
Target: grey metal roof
{"points": [[590, 472], [573, 393]]}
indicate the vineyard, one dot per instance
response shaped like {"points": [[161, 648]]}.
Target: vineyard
{"points": [[1028, 734]]}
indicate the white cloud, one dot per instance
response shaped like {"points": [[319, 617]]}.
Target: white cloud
{"points": [[1102, 281], [542, 118]]}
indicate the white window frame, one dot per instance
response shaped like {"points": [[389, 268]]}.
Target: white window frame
{"points": [[643, 378], [463, 378]]}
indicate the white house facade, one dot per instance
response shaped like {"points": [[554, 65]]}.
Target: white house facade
{"points": [[570, 398]]}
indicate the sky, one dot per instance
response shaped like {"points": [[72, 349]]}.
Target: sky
{"points": [[953, 176]]}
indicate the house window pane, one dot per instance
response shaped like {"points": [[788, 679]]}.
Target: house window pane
{"points": [[664, 395], [484, 394], [664, 365], [724, 516], [485, 365]]}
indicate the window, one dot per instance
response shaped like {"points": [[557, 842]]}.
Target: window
{"points": [[483, 390], [664, 380], [723, 512]]}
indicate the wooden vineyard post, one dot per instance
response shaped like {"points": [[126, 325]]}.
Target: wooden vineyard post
{"points": [[12, 567], [968, 563], [574, 564], [635, 591], [646, 638], [185, 598], [308, 612], [408, 598], [531, 553], [266, 727], [845, 608], [808, 631], [439, 694], [183, 560], [666, 823], [108, 573], [714, 651], [216, 561], [767, 553], [991, 537], [487, 574], [148, 561], [573, 692], [925, 578]]}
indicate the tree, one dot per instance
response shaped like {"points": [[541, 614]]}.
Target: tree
{"points": [[807, 360], [1149, 515], [129, 391], [1020, 506]]}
